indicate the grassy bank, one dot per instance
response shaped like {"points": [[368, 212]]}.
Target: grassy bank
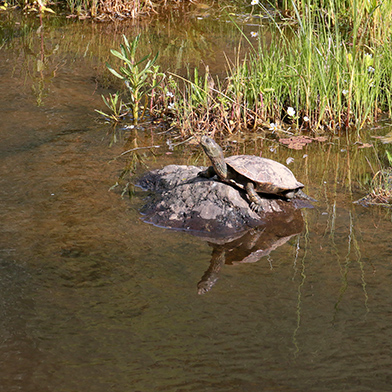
{"points": [[316, 75], [102, 10], [325, 70]]}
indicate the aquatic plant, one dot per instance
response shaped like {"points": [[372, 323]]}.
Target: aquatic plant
{"points": [[40, 6], [313, 75], [83, 8], [141, 77], [116, 107]]}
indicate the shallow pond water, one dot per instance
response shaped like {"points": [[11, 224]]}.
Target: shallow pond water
{"points": [[95, 299]]}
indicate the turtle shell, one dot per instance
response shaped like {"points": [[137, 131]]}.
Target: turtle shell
{"points": [[268, 175]]}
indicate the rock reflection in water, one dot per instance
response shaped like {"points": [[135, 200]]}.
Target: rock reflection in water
{"points": [[251, 246]]}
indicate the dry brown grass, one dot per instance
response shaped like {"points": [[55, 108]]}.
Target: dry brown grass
{"points": [[111, 10]]}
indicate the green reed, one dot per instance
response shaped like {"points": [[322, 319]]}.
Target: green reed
{"points": [[328, 76], [326, 70], [315, 68]]}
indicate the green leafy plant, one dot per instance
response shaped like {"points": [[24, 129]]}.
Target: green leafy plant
{"points": [[116, 106], [141, 77]]}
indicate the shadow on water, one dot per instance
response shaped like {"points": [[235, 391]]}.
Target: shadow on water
{"points": [[93, 298]]}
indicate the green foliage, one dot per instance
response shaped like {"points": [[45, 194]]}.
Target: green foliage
{"points": [[389, 157], [115, 105], [141, 77], [79, 7], [332, 76], [331, 66], [40, 6]]}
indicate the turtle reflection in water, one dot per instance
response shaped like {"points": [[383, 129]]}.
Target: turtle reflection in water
{"points": [[251, 246], [252, 173]]}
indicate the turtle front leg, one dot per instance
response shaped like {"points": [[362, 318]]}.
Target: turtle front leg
{"points": [[208, 173], [255, 199]]}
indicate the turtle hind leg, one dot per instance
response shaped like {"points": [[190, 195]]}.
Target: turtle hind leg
{"points": [[255, 199], [290, 195]]}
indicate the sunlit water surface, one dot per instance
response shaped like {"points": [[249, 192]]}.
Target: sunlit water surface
{"points": [[94, 299]]}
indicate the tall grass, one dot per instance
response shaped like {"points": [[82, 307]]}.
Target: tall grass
{"points": [[328, 70], [315, 74]]}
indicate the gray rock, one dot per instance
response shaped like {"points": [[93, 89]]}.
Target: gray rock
{"points": [[207, 207]]}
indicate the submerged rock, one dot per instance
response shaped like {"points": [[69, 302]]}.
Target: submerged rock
{"points": [[182, 200]]}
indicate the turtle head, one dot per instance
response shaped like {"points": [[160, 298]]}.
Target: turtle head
{"points": [[215, 153]]}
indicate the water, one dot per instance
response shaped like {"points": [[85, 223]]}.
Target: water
{"points": [[95, 299]]}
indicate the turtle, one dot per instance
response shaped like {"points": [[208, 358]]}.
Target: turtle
{"points": [[252, 173]]}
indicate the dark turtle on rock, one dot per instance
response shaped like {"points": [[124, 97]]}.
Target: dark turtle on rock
{"points": [[252, 173]]}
